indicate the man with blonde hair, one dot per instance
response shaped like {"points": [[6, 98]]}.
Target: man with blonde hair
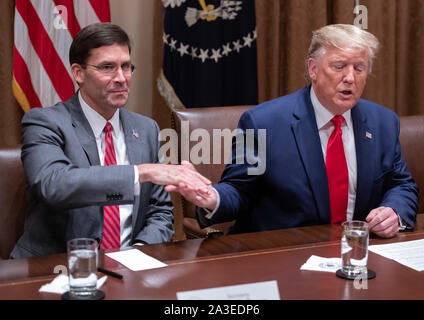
{"points": [[330, 155]]}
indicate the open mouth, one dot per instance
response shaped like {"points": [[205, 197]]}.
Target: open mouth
{"points": [[346, 92]]}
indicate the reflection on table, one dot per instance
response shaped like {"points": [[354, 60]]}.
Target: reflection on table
{"points": [[231, 260]]}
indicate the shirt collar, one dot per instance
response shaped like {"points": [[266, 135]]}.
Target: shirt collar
{"points": [[323, 116], [96, 121]]}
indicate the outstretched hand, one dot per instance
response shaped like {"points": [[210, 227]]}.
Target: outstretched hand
{"points": [[203, 196], [172, 175]]}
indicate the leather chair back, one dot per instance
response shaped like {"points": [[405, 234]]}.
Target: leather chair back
{"points": [[412, 142], [12, 199], [208, 119]]}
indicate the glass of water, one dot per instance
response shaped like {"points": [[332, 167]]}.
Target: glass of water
{"points": [[82, 267], [354, 248]]}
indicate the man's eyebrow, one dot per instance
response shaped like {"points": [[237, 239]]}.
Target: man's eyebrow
{"points": [[113, 62], [338, 61]]}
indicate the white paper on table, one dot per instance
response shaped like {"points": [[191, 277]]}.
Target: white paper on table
{"points": [[408, 253], [136, 260], [60, 284], [266, 290], [315, 263]]}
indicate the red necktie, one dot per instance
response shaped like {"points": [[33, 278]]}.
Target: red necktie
{"points": [[337, 173], [111, 226]]}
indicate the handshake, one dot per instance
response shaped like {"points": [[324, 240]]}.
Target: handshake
{"points": [[183, 179]]}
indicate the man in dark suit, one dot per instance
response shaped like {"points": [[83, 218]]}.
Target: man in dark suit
{"points": [[330, 156], [92, 166]]}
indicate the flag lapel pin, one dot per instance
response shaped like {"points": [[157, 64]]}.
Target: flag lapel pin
{"points": [[368, 135], [135, 134]]}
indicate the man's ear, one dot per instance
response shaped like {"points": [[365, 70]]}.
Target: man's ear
{"points": [[312, 68], [78, 73]]}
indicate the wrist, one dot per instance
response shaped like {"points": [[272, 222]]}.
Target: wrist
{"points": [[213, 201], [142, 173]]}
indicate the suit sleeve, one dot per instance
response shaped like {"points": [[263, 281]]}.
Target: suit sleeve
{"points": [[57, 168]]}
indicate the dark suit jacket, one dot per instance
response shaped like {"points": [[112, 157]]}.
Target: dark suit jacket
{"points": [[293, 191], [68, 188]]}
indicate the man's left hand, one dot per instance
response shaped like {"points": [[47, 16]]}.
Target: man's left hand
{"points": [[383, 221]]}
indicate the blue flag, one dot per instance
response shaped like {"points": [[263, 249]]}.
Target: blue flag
{"points": [[210, 54]]}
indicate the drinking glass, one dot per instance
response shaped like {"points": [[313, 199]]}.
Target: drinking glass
{"points": [[82, 267]]}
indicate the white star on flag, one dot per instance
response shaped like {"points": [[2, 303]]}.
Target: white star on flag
{"points": [[193, 52], [247, 40], [216, 55], [237, 45], [165, 38], [226, 49], [203, 54], [183, 49], [173, 44]]}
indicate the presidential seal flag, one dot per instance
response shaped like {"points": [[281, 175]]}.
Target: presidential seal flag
{"points": [[44, 30], [210, 54]]}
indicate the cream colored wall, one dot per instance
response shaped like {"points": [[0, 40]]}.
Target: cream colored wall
{"points": [[136, 18]]}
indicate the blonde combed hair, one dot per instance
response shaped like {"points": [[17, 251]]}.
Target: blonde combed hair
{"points": [[343, 37]]}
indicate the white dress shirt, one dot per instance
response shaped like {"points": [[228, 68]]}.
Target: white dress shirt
{"points": [[325, 128], [97, 123]]}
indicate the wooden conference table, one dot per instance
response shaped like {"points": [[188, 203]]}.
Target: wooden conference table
{"points": [[231, 260]]}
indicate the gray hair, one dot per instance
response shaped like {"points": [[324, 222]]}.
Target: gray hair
{"points": [[343, 37]]}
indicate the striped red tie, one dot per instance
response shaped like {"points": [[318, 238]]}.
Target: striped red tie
{"points": [[111, 226], [337, 173]]}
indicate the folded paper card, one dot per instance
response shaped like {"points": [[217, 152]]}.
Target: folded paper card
{"points": [[136, 260], [60, 284], [315, 263], [267, 290]]}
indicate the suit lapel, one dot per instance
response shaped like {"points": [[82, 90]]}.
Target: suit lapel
{"points": [[364, 144], [133, 138], [306, 134], [83, 130]]}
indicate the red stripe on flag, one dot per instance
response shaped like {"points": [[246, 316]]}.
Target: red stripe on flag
{"points": [[23, 78], [71, 19], [43, 45], [101, 7]]}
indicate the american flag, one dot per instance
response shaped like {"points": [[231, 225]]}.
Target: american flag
{"points": [[44, 30]]}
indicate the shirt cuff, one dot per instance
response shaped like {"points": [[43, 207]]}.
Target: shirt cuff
{"points": [[209, 214], [136, 182], [402, 224]]}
